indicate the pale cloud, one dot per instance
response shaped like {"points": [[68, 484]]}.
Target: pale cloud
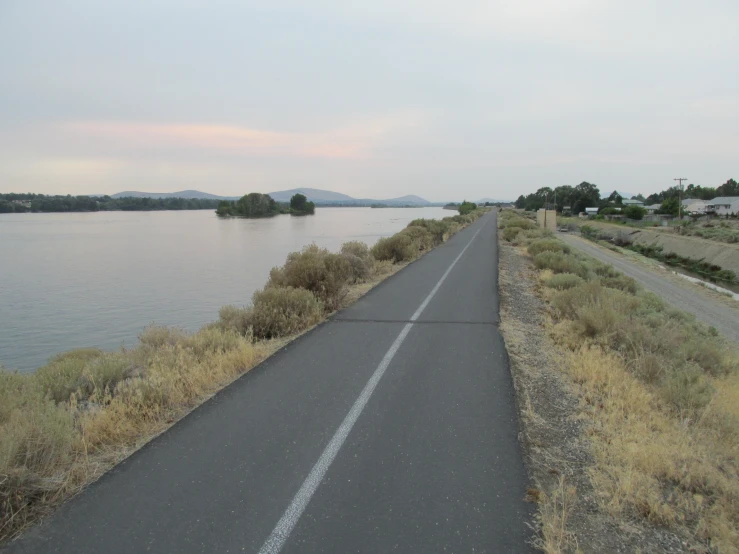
{"points": [[443, 99]]}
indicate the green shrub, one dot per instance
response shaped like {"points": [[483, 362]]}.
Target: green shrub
{"points": [[559, 262], [564, 281], [103, 372], [550, 245], [439, 230], [398, 248], [155, 337], [621, 282], [281, 311], [63, 374], [360, 260], [510, 233], [235, 319], [212, 340], [422, 239], [317, 270], [520, 222], [686, 389]]}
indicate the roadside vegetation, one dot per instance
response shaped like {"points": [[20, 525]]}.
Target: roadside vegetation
{"points": [[64, 425], [659, 393], [701, 267]]}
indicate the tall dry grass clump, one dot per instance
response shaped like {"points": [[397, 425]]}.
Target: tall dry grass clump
{"points": [[661, 392], [64, 425]]}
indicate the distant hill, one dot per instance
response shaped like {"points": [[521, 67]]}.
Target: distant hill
{"points": [[492, 201], [180, 194], [327, 197], [320, 197], [314, 195]]}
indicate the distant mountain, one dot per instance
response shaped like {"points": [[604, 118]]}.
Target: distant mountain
{"points": [[180, 194], [320, 197], [491, 200], [314, 195], [327, 197]]}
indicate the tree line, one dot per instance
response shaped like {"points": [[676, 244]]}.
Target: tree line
{"points": [[587, 195], [28, 202], [255, 204]]}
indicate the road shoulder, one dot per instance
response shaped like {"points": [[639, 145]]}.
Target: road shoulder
{"points": [[554, 436]]}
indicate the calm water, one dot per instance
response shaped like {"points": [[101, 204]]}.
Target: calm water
{"points": [[72, 280]]}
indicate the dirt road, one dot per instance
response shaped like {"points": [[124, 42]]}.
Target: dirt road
{"points": [[686, 296]]}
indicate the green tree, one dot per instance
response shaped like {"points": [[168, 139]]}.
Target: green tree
{"points": [[299, 205], [616, 198], [467, 207], [634, 212], [669, 206], [585, 195]]}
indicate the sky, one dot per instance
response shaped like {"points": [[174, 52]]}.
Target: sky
{"points": [[378, 99]]}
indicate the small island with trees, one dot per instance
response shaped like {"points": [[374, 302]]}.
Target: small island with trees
{"points": [[256, 205]]}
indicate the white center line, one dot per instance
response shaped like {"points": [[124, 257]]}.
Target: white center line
{"points": [[289, 519]]}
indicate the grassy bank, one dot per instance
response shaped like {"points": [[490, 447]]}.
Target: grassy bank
{"points": [[659, 394], [64, 425], [709, 271]]}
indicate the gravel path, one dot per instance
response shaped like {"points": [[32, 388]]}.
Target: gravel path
{"points": [[687, 297]]}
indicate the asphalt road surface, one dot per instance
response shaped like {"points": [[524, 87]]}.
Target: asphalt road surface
{"points": [[684, 296], [390, 428]]}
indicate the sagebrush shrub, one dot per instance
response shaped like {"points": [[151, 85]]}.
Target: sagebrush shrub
{"points": [[564, 281], [360, 259], [422, 239], [560, 262], [317, 270], [510, 233], [281, 311], [235, 319], [398, 248], [551, 245]]}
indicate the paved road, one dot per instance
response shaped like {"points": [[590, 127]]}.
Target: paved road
{"points": [[683, 296], [390, 428]]}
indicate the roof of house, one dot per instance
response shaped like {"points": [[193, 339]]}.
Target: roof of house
{"points": [[586, 209], [654, 207], [689, 201], [631, 201], [723, 200]]}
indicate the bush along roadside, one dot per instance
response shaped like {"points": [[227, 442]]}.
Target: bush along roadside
{"points": [[64, 425], [700, 267], [658, 390]]}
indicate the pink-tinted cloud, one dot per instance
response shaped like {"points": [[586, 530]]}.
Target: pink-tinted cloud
{"points": [[350, 143]]}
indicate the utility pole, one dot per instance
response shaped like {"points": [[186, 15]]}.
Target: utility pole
{"points": [[680, 197]]}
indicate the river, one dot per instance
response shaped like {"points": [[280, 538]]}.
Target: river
{"points": [[97, 279]]}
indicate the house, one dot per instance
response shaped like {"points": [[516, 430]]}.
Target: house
{"points": [[592, 212], [723, 205], [694, 206], [632, 202], [651, 210]]}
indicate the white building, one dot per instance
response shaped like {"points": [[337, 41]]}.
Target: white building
{"points": [[632, 202], [694, 206], [651, 210], [723, 205]]}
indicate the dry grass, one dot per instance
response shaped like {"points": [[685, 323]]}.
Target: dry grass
{"points": [[661, 395], [69, 422], [552, 519], [50, 449]]}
